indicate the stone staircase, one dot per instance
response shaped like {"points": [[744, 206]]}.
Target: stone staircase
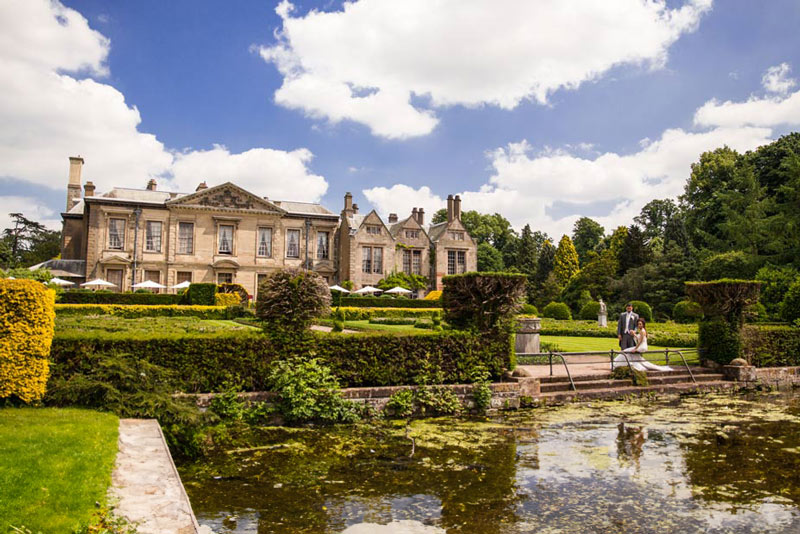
{"points": [[557, 389]]}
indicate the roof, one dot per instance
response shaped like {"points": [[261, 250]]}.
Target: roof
{"points": [[435, 231], [304, 208], [141, 195], [63, 268]]}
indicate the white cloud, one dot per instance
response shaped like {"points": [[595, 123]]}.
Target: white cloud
{"points": [[366, 62], [778, 108], [401, 199], [31, 208], [50, 110]]}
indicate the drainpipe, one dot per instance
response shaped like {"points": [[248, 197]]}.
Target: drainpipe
{"points": [[138, 212], [308, 231]]}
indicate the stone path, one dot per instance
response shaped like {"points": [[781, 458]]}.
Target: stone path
{"points": [[145, 483]]}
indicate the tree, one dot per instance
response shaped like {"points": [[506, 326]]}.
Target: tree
{"points": [[634, 252], [654, 217], [489, 259], [587, 234], [527, 252], [493, 229], [565, 263], [27, 243], [546, 261]]}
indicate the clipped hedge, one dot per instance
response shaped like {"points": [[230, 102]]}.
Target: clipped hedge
{"points": [[201, 294], [380, 302], [719, 340], [771, 346], [26, 331], [101, 297], [227, 299], [557, 310], [643, 310], [590, 311], [362, 314], [687, 311], [135, 312]]}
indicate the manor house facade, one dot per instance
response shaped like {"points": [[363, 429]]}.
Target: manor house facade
{"points": [[225, 234]]}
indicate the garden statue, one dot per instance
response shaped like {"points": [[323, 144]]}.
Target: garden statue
{"points": [[602, 316]]}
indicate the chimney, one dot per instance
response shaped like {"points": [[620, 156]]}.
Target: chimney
{"points": [[355, 208], [201, 186], [415, 214], [348, 205], [421, 216], [392, 218], [450, 203], [88, 189], [74, 184], [151, 185], [457, 208]]}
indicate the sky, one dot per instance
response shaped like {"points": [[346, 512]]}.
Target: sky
{"points": [[543, 111]]}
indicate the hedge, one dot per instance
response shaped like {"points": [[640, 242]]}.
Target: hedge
{"points": [[227, 299], [362, 314], [643, 310], [687, 311], [201, 294], [204, 363], [771, 346], [662, 334], [26, 330], [379, 302], [719, 340], [134, 312], [101, 297], [557, 310], [590, 310]]}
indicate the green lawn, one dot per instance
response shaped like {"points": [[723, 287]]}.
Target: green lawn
{"points": [[54, 465], [143, 327], [587, 344]]}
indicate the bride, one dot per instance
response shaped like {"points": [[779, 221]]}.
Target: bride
{"points": [[634, 354]]}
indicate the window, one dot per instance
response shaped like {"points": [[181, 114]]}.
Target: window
{"points": [[372, 260], [456, 236], [456, 261], [374, 229], [115, 277], [451, 262], [417, 262], [152, 236], [407, 261], [322, 245], [185, 238], [412, 234], [366, 260], [292, 243], [224, 278], [461, 259], [264, 248], [153, 276], [183, 276], [377, 260], [116, 233], [225, 239]]}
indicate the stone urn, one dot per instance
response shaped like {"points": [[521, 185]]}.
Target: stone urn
{"points": [[527, 339]]}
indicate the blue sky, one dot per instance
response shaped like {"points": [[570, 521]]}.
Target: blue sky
{"points": [[529, 112]]}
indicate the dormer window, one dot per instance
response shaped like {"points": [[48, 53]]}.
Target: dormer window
{"points": [[412, 234], [456, 236], [373, 229]]}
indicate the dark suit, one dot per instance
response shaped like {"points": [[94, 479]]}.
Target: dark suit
{"points": [[622, 329]]}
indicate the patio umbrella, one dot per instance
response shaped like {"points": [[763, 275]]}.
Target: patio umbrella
{"points": [[182, 285], [148, 284], [397, 289], [98, 282], [338, 288], [369, 289], [60, 282]]}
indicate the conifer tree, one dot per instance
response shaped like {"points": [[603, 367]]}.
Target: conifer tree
{"points": [[565, 263]]}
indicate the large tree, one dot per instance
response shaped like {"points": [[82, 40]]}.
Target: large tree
{"points": [[634, 252], [654, 217], [565, 263], [489, 259], [27, 243], [587, 234]]}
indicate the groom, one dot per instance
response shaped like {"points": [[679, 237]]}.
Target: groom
{"points": [[627, 322]]}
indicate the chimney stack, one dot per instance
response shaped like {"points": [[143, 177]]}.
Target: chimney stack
{"points": [[88, 189], [450, 203], [74, 184], [392, 218], [415, 214], [348, 205], [151, 185], [201, 186], [355, 208], [457, 208], [421, 216]]}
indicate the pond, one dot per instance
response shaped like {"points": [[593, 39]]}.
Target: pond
{"points": [[714, 463]]}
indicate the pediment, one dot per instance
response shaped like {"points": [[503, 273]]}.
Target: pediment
{"points": [[226, 196], [114, 259]]}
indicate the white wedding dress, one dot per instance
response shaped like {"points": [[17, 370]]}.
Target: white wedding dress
{"points": [[634, 356]]}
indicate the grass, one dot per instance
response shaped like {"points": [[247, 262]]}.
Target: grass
{"points": [[55, 464], [143, 327], [591, 344]]}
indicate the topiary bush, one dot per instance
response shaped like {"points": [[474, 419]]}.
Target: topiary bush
{"points": [[235, 289], [687, 311], [482, 301], [201, 294], [790, 307], [643, 309], [590, 311], [719, 340], [27, 320], [529, 309], [724, 298], [291, 298], [557, 310]]}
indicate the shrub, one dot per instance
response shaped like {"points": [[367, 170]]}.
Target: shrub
{"points": [[235, 289], [639, 378], [393, 320], [719, 340], [483, 301], [724, 298], [557, 310], [362, 314], [775, 283], [100, 297], [735, 264], [529, 309], [291, 298], [405, 280], [227, 299], [643, 309], [771, 346], [433, 295], [380, 302], [756, 313], [590, 310], [401, 403], [26, 331], [201, 294], [583, 299], [790, 307], [687, 311], [138, 311]]}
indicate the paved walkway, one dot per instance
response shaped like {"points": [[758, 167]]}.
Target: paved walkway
{"points": [[578, 366], [146, 484]]}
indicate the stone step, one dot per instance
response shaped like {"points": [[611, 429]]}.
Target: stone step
{"points": [[560, 397], [565, 385], [577, 377]]}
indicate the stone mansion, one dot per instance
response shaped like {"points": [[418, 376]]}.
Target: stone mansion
{"points": [[227, 234]]}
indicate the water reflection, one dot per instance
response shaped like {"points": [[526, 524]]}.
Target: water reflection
{"points": [[710, 464]]}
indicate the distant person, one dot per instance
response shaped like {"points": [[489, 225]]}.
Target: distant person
{"points": [[626, 327], [633, 355]]}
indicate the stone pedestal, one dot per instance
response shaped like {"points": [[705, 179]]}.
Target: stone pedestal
{"points": [[527, 339], [602, 320]]}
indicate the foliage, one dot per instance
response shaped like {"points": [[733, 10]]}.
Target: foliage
{"points": [[557, 310], [22, 273], [348, 285], [590, 310], [433, 295], [360, 314], [378, 302], [655, 216], [483, 301], [775, 282], [790, 307], [234, 289], [565, 261], [392, 320], [136, 311], [587, 234], [309, 392], [291, 298], [771, 346], [412, 282], [734, 264], [484, 228], [26, 330], [227, 299], [634, 251], [529, 309], [643, 310], [724, 298], [27, 243], [401, 403], [719, 340], [489, 258], [687, 311], [201, 294], [639, 378], [83, 296]]}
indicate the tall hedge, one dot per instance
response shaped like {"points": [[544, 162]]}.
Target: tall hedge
{"points": [[27, 321], [135, 312], [482, 301], [771, 345], [379, 302], [201, 294], [102, 297]]}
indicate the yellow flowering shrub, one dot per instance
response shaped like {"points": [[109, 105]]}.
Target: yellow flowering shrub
{"points": [[227, 299], [27, 318], [433, 295]]}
